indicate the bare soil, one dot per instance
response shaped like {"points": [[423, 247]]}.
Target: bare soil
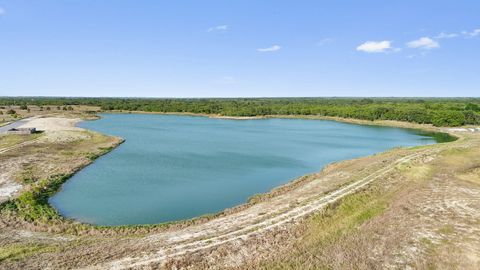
{"points": [[405, 208]]}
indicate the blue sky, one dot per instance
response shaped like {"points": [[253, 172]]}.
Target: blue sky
{"points": [[239, 48]]}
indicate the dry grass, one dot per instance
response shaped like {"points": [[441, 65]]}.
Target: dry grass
{"points": [[42, 166], [78, 110], [416, 216], [326, 235], [11, 140], [425, 216], [15, 252]]}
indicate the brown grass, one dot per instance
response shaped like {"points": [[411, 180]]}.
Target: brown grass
{"points": [[397, 222], [423, 216]]}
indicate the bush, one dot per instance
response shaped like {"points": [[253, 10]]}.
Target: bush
{"points": [[472, 118], [33, 204], [448, 119]]}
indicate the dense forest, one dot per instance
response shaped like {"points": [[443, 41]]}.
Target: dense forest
{"points": [[436, 111]]}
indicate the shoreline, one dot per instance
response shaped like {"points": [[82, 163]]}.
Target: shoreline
{"points": [[258, 216], [252, 200], [426, 128], [386, 123], [259, 197]]}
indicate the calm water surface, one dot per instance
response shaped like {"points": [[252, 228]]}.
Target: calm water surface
{"points": [[179, 167]]}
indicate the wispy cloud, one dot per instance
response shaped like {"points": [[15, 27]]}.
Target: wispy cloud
{"points": [[375, 46], [443, 35], [423, 43], [220, 28], [473, 33], [468, 34], [2, 11], [273, 48], [325, 41]]}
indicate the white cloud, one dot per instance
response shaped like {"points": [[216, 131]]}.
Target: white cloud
{"points": [[375, 46], [474, 33], [446, 35], [218, 28], [423, 43], [269, 49]]}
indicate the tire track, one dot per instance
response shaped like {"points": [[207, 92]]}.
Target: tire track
{"points": [[290, 216], [6, 149]]}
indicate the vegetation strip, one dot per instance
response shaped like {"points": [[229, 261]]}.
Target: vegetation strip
{"points": [[436, 111]]}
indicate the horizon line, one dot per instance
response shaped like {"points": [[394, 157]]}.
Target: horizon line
{"points": [[244, 97]]}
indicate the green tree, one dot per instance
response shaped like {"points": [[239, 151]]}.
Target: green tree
{"points": [[448, 118]]}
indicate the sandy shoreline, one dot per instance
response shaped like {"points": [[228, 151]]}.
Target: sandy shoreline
{"points": [[51, 123]]}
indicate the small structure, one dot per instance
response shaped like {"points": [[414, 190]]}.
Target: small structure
{"points": [[21, 130]]}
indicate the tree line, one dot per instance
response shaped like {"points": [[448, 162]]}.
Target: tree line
{"points": [[436, 111]]}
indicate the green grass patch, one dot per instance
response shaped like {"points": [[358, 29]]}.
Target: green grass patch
{"points": [[103, 151], [14, 252], [11, 140], [32, 205], [343, 217], [325, 229], [446, 229], [28, 175]]}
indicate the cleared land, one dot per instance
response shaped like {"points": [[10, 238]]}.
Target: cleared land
{"points": [[414, 207]]}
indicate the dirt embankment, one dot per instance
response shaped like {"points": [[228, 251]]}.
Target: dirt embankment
{"points": [[55, 129], [270, 232], [50, 124]]}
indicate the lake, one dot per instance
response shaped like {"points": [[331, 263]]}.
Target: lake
{"points": [[178, 167]]}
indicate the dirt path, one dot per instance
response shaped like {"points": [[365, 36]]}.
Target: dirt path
{"points": [[16, 146], [15, 124], [245, 224]]}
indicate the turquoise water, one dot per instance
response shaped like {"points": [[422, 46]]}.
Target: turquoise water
{"points": [[179, 167]]}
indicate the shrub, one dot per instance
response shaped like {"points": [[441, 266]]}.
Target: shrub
{"points": [[448, 119], [33, 204]]}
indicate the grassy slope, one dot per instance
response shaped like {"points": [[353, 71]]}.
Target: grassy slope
{"points": [[366, 230]]}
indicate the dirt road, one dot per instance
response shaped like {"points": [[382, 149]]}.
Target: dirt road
{"points": [[15, 124]]}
